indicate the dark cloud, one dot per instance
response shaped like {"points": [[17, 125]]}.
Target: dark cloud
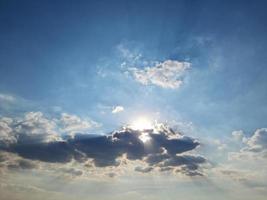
{"points": [[47, 152], [190, 161], [143, 169], [72, 171], [163, 150], [22, 164]]}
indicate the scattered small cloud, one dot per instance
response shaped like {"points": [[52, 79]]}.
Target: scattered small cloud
{"points": [[117, 109]]}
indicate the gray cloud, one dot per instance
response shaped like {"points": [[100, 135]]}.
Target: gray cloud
{"points": [[143, 169], [164, 149], [22, 164]]}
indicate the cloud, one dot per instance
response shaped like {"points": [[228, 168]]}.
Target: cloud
{"points": [[238, 135], [165, 148], [10, 161], [6, 135], [143, 169], [22, 164], [117, 109], [255, 146], [258, 141], [72, 124], [167, 74], [246, 156], [127, 54], [35, 128], [6, 98]]}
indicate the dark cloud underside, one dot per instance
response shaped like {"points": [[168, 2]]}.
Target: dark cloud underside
{"points": [[165, 148]]}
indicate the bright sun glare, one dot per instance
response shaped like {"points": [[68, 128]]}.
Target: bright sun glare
{"points": [[141, 123]]}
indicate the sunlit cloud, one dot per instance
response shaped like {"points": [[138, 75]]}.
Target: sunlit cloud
{"points": [[35, 138], [117, 109], [167, 74]]}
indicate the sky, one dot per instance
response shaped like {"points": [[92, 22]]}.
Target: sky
{"points": [[135, 99]]}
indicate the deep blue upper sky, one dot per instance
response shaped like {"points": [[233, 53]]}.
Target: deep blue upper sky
{"points": [[53, 53]]}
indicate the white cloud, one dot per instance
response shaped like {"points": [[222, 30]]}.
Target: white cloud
{"points": [[117, 109], [35, 127], [6, 98], [238, 135], [167, 74], [32, 127], [255, 146], [73, 124], [6, 136], [258, 140]]}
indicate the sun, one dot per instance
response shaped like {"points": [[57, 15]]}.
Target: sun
{"points": [[142, 123]]}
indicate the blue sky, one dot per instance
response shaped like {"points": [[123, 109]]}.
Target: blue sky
{"points": [[94, 66]]}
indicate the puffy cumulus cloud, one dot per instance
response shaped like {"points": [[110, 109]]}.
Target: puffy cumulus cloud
{"points": [[72, 124], [167, 74], [164, 149], [258, 141], [255, 147], [33, 127], [246, 156], [6, 135], [36, 128], [117, 109], [238, 135]]}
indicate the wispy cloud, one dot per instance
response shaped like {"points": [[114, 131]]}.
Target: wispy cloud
{"points": [[6, 97]]}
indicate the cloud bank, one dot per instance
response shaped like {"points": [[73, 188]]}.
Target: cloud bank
{"points": [[34, 138]]}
